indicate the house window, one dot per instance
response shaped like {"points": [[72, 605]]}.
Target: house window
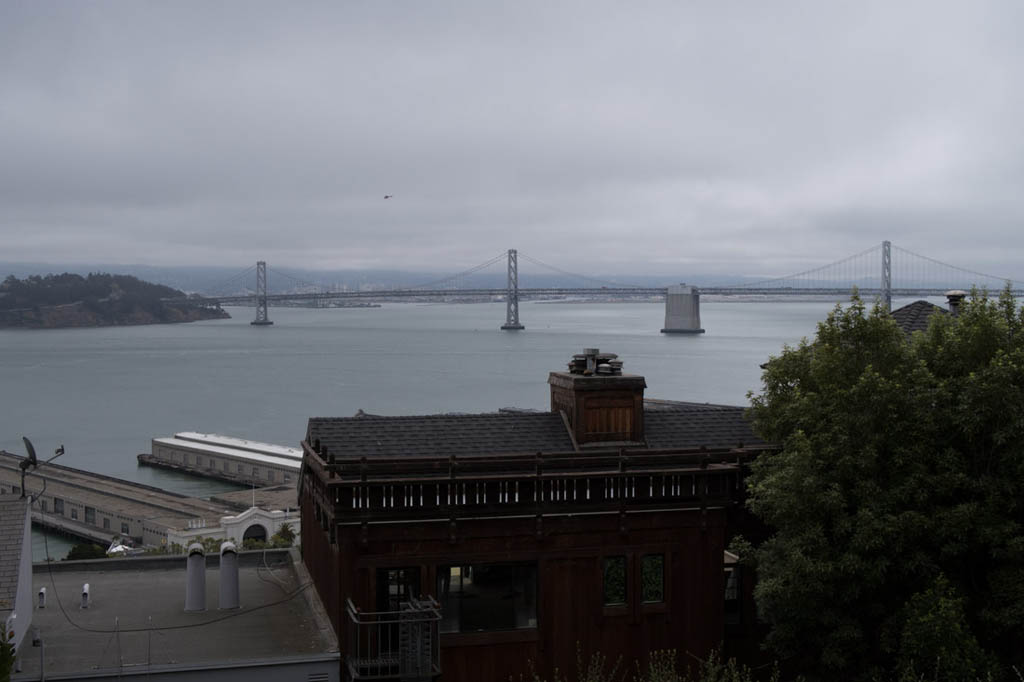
{"points": [[199, 461], [58, 506], [106, 523], [614, 580], [486, 597], [652, 578], [239, 468], [396, 586], [124, 529], [255, 472], [74, 513], [90, 515], [224, 465], [733, 613], [270, 475]]}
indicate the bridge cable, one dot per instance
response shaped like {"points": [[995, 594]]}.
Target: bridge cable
{"points": [[805, 273], [954, 267], [222, 285], [602, 282], [301, 282], [464, 273]]}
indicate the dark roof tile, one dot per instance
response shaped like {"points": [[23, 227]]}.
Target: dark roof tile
{"points": [[667, 425], [12, 534], [914, 317]]}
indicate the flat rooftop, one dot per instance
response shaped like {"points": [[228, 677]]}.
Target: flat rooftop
{"points": [[110, 494], [137, 613], [240, 444], [247, 455]]}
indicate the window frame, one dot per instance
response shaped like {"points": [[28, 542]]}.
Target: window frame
{"points": [[516, 632], [615, 606], [642, 574]]}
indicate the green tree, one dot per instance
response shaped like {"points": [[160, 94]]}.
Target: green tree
{"points": [[86, 550], [897, 491], [6, 655], [284, 537]]}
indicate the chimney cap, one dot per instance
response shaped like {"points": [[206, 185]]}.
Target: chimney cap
{"points": [[957, 294], [196, 548]]}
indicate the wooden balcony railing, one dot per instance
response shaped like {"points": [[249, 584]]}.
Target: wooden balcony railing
{"points": [[364, 490]]}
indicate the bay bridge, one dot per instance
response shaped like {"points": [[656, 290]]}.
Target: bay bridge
{"points": [[882, 272]]}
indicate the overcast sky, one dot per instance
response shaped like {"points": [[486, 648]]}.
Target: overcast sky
{"points": [[676, 137]]}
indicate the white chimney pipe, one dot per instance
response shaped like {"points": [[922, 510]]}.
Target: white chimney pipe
{"points": [[228, 576], [85, 596], [42, 597], [195, 578]]}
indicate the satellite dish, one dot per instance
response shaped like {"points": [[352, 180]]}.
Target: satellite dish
{"points": [[31, 460]]}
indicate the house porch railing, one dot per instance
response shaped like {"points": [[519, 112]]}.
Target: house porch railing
{"points": [[401, 645]]}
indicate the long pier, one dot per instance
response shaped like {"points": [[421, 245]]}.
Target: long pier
{"points": [[101, 508]]}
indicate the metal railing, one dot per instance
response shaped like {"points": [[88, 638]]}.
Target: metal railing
{"points": [[394, 645]]}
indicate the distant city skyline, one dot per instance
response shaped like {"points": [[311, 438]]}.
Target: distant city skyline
{"points": [[673, 140]]}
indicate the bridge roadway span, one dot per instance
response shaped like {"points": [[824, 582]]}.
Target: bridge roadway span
{"points": [[562, 291], [148, 512]]}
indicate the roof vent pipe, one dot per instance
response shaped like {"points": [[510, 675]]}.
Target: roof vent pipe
{"points": [[195, 578], [85, 596], [954, 298], [42, 597], [228, 576]]}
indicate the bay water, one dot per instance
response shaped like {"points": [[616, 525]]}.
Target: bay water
{"points": [[105, 392]]}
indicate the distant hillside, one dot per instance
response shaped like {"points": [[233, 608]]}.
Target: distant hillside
{"points": [[97, 300]]}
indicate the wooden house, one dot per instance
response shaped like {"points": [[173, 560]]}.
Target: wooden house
{"points": [[475, 547]]}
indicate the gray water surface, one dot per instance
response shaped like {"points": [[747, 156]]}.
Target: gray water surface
{"points": [[104, 393]]}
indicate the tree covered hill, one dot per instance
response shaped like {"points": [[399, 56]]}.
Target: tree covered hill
{"points": [[97, 300]]}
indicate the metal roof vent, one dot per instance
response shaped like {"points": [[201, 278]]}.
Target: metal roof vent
{"points": [[42, 597], [228, 576], [592, 361], [954, 298], [85, 596], [195, 578]]}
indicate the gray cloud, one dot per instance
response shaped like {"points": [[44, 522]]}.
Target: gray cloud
{"points": [[674, 138]]}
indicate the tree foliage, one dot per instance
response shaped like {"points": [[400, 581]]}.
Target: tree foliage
{"points": [[86, 550], [92, 289], [896, 499]]}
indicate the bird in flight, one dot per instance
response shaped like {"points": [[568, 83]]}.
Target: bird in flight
{"points": [[388, 196]]}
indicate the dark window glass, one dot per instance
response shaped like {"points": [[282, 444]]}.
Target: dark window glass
{"points": [[733, 615], [614, 580], [58, 506], [395, 586], [106, 523], [90, 515], [652, 578], [124, 528], [485, 597], [74, 513], [224, 465]]}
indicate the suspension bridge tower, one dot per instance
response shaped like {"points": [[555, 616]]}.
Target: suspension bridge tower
{"points": [[261, 296], [512, 296]]}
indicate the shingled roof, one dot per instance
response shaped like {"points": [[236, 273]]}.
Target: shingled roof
{"points": [[441, 434], [688, 425], [12, 535], [667, 425], [914, 317]]}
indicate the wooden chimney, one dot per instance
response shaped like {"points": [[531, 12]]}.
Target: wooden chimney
{"points": [[601, 404]]}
